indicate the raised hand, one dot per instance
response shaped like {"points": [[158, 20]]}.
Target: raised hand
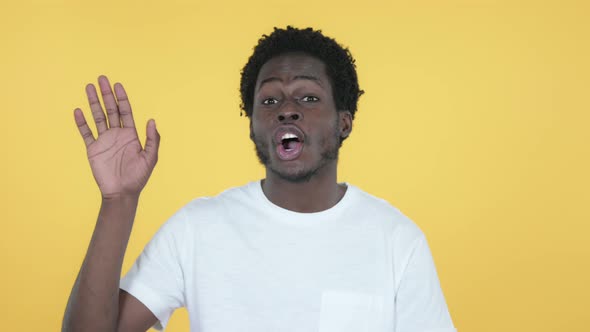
{"points": [[119, 163]]}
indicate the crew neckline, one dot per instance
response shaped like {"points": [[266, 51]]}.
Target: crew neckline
{"points": [[302, 218]]}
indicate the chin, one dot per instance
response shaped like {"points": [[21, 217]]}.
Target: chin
{"points": [[295, 171], [300, 176]]}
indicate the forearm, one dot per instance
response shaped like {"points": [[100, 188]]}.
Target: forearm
{"points": [[94, 302]]}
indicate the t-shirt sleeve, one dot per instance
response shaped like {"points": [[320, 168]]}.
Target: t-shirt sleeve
{"points": [[420, 303], [156, 277]]}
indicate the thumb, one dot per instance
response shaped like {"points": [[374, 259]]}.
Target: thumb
{"points": [[152, 142]]}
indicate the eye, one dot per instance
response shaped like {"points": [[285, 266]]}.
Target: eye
{"points": [[269, 101], [310, 99]]}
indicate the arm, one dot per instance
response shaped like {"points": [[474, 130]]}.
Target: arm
{"points": [[121, 168], [420, 303]]}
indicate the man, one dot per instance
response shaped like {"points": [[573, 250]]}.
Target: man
{"points": [[296, 251]]}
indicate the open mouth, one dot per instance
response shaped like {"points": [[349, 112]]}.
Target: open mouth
{"points": [[289, 143]]}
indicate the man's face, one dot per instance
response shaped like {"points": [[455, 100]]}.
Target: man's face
{"points": [[295, 125]]}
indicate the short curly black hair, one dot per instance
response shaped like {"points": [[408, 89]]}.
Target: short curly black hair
{"points": [[340, 65]]}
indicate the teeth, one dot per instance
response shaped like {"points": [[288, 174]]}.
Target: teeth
{"points": [[288, 136]]}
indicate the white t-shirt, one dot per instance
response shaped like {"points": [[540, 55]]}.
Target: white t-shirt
{"points": [[239, 263]]}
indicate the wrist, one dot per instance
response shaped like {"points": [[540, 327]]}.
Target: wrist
{"points": [[120, 198], [118, 209]]}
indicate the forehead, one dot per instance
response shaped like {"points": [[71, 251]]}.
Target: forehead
{"points": [[290, 65]]}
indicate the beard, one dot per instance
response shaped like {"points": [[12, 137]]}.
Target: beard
{"points": [[330, 147]]}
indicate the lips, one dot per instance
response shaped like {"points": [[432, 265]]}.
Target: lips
{"points": [[289, 142]]}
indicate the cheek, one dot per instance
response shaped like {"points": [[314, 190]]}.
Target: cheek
{"points": [[256, 129], [260, 118]]}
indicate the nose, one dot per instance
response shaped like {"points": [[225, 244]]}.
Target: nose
{"points": [[289, 113]]}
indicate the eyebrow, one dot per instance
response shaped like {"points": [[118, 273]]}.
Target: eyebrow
{"points": [[298, 77]]}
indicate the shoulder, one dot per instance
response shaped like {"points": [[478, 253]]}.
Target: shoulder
{"points": [[200, 214], [404, 236], [380, 209], [402, 233], [208, 208], [229, 196]]}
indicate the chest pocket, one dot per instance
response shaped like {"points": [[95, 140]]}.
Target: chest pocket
{"points": [[346, 311]]}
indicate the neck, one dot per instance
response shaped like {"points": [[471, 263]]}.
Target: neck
{"points": [[320, 193]]}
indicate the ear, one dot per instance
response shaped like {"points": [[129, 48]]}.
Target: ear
{"points": [[345, 122]]}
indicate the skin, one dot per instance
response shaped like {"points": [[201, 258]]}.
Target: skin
{"points": [[122, 167], [294, 89]]}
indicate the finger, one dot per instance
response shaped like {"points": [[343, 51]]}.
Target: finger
{"points": [[152, 142], [83, 127], [97, 113], [124, 107], [109, 102]]}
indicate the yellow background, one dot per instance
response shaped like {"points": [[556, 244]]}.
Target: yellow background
{"points": [[474, 123]]}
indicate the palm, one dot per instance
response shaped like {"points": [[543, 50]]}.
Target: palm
{"points": [[119, 163]]}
